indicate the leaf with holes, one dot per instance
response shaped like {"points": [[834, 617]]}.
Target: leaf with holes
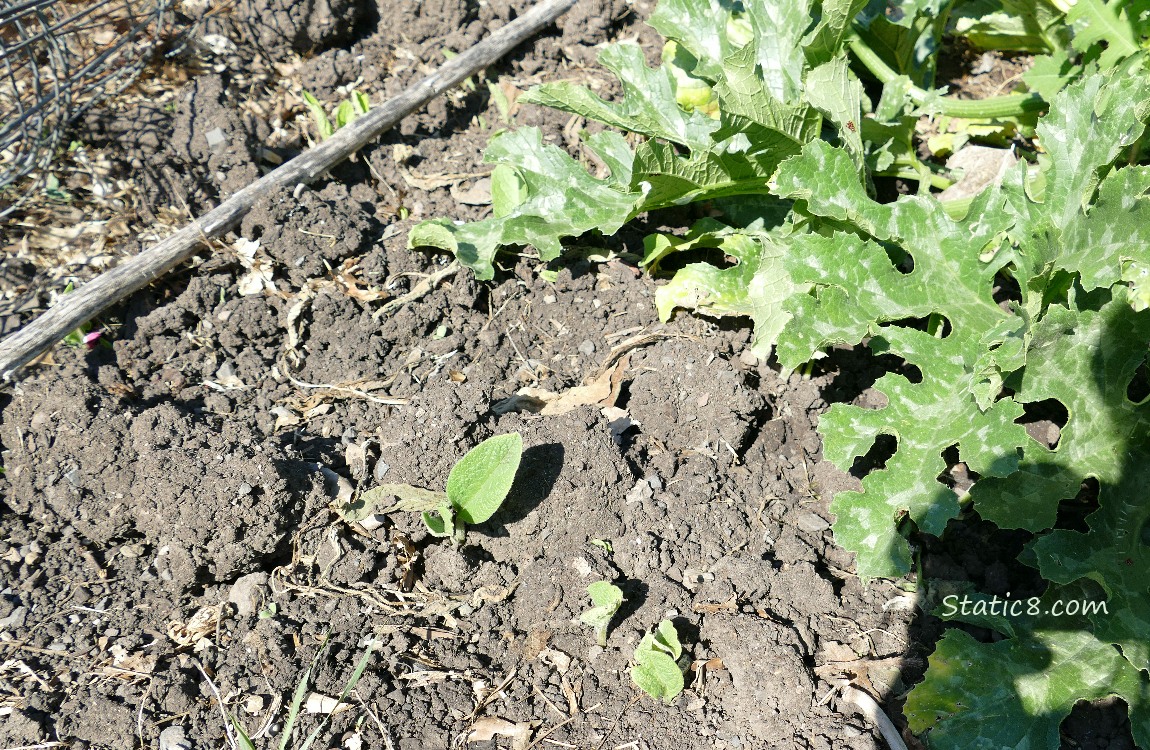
{"points": [[1035, 681], [557, 198], [1086, 360], [857, 292], [917, 284]]}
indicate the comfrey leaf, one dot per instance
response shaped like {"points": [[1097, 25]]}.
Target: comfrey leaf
{"points": [[481, 480], [374, 501], [607, 599], [834, 90], [442, 523], [779, 26], [825, 40], [655, 669]]}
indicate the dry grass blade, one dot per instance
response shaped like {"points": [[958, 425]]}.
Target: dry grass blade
{"points": [[425, 285]]}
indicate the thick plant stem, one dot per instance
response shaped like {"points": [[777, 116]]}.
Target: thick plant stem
{"points": [[997, 107], [958, 208], [935, 180]]}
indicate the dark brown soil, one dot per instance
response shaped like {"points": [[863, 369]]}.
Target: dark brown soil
{"points": [[165, 515]]}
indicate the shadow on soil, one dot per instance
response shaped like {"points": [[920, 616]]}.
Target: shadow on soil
{"points": [[543, 464]]}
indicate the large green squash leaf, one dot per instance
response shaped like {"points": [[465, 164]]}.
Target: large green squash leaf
{"points": [[1014, 694], [561, 200], [859, 293], [754, 59]]}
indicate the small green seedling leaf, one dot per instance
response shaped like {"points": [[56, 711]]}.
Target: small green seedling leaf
{"points": [[656, 670], [298, 695], [243, 741], [476, 488], [361, 102], [607, 598], [322, 124], [667, 639], [443, 523], [343, 696], [602, 544], [479, 483], [500, 100], [344, 113]]}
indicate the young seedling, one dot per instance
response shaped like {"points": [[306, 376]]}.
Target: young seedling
{"points": [[476, 487], [355, 105], [656, 670], [607, 598]]}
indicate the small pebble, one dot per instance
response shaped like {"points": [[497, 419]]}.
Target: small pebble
{"points": [[812, 523], [247, 593], [173, 738], [215, 137], [586, 347]]}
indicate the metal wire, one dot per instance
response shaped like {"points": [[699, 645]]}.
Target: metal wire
{"points": [[56, 59]]}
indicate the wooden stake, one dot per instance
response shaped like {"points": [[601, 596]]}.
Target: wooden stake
{"points": [[92, 298]]}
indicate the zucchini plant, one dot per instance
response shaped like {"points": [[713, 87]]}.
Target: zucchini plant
{"points": [[757, 111]]}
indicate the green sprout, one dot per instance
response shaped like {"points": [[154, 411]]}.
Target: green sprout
{"points": [[476, 487], [355, 105], [607, 598], [656, 669]]}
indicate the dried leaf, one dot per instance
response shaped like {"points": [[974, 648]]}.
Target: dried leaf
{"points": [[202, 624], [129, 667], [372, 502], [486, 728], [318, 703], [599, 390], [285, 417], [556, 658]]}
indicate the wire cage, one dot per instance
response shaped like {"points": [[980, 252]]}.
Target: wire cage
{"points": [[58, 58]]}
